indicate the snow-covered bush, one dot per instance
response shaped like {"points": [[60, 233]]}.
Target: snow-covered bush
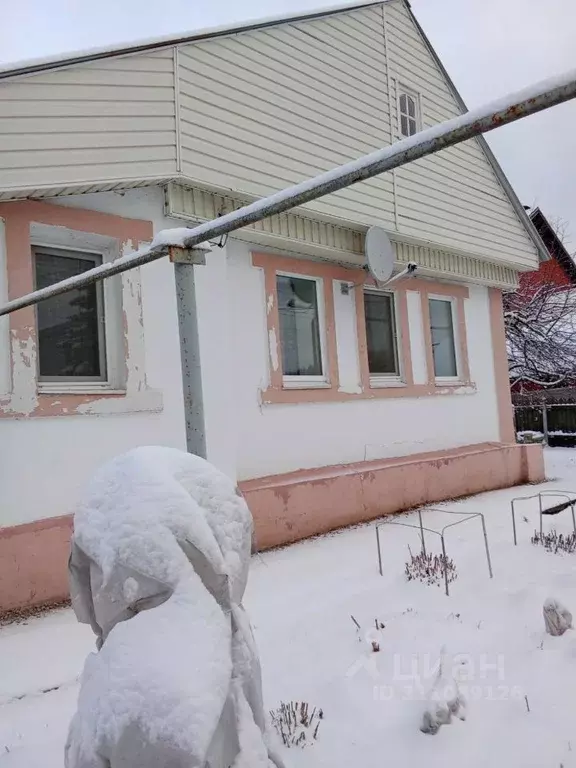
{"points": [[529, 436], [295, 724], [557, 618], [429, 568], [444, 701], [555, 542]]}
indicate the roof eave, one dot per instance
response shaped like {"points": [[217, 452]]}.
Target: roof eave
{"points": [[34, 66]]}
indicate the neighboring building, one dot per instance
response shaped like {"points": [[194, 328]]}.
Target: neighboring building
{"points": [[330, 404], [558, 268]]}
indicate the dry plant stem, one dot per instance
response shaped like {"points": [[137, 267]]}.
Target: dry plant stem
{"points": [[555, 542], [294, 724], [430, 569]]}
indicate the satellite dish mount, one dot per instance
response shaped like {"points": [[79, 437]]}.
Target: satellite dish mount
{"points": [[379, 254]]}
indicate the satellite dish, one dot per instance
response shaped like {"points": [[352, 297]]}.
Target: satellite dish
{"points": [[379, 254]]}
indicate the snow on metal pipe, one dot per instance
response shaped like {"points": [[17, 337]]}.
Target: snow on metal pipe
{"points": [[505, 110]]}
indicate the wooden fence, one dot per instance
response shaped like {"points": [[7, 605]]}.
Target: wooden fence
{"points": [[556, 422]]}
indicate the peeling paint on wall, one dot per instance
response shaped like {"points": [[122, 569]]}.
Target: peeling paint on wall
{"points": [[24, 222], [148, 401], [468, 389], [24, 395], [350, 389], [273, 342], [133, 325]]}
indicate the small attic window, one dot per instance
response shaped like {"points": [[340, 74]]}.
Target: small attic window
{"points": [[408, 113]]}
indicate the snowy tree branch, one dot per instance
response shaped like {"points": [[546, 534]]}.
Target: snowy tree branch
{"points": [[541, 334]]}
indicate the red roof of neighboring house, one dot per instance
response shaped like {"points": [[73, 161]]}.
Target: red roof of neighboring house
{"points": [[560, 269]]}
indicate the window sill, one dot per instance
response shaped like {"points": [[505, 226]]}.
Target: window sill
{"points": [[380, 382], [304, 393], [290, 385], [454, 387], [440, 382], [70, 388], [102, 403], [311, 394]]}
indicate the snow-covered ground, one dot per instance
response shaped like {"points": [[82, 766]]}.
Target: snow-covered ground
{"points": [[301, 600]]}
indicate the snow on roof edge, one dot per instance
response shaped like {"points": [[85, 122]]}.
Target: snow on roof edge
{"points": [[29, 66]]}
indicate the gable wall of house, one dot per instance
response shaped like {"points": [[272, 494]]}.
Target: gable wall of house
{"points": [[453, 196], [269, 108], [256, 111]]}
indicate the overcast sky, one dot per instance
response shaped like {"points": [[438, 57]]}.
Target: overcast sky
{"points": [[489, 47]]}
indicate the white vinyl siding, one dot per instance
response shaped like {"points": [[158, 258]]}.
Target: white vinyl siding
{"points": [[109, 119], [260, 110], [452, 197], [269, 108]]}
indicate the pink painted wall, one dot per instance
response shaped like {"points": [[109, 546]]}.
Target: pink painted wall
{"points": [[271, 264], [286, 508], [18, 217], [290, 507], [34, 563], [504, 397]]}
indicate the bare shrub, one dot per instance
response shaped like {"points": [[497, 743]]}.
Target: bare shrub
{"points": [[429, 568], [296, 726], [555, 542]]}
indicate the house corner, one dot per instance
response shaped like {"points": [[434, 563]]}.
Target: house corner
{"points": [[501, 378]]}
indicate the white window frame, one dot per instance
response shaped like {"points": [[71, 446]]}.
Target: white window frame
{"points": [[307, 382], [404, 91], [381, 380], [62, 239], [455, 336]]}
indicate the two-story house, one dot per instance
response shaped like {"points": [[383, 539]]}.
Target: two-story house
{"points": [[330, 400]]}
